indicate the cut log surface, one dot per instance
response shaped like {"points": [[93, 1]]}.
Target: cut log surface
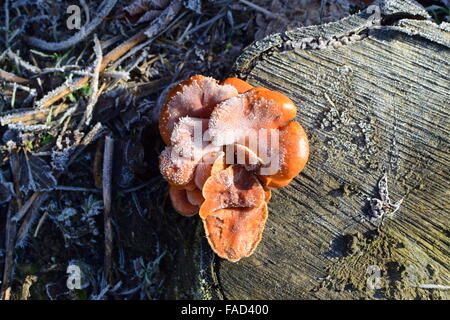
{"points": [[376, 103]]}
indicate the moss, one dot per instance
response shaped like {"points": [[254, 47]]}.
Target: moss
{"points": [[385, 265]]}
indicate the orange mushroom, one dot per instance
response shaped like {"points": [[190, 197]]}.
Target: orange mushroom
{"points": [[195, 97], [233, 187], [187, 137], [293, 153], [240, 85], [234, 212], [235, 119], [195, 196], [181, 203], [175, 169], [211, 163], [268, 194], [257, 108], [234, 233], [231, 199], [179, 161]]}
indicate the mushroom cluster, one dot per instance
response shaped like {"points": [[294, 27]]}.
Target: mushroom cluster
{"points": [[227, 145]]}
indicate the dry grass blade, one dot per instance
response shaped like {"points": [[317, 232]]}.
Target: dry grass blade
{"points": [[30, 218], [19, 61], [7, 76], [32, 117], [94, 85], [107, 189]]}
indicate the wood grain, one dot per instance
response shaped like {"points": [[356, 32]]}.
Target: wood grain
{"points": [[374, 106]]}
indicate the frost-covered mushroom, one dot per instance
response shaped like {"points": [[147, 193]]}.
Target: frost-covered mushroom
{"points": [[234, 233], [181, 203], [231, 199], [293, 150], [240, 85], [196, 97], [175, 169], [211, 164], [255, 109], [234, 212], [178, 162], [238, 119], [233, 187]]}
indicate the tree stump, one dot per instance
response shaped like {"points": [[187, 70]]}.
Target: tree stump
{"points": [[374, 100]]}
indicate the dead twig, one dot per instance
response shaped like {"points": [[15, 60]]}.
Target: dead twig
{"points": [[164, 19], [19, 61], [112, 56], [24, 209], [94, 85], [87, 29], [107, 184], [8, 76], [6, 8], [10, 235]]}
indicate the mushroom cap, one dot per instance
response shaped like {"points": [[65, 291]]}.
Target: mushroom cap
{"points": [[257, 108], [178, 162], [194, 97], [181, 203], [175, 169], [240, 85], [293, 155], [211, 163], [234, 233], [195, 197], [187, 137], [233, 187]]}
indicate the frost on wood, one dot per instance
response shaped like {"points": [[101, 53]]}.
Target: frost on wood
{"points": [[383, 205], [410, 7]]}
